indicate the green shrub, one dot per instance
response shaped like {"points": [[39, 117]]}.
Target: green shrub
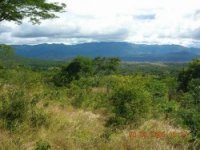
{"points": [[42, 145], [86, 67], [14, 109], [131, 105], [190, 113], [169, 108], [186, 75], [194, 90], [39, 118], [80, 99], [191, 118], [106, 66], [79, 67], [158, 90], [190, 107]]}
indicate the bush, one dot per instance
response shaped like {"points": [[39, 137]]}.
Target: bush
{"points": [[191, 118], [191, 72], [106, 66], [13, 109], [169, 108], [42, 145], [79, 67], [158, 90], [194, 88], [39, 118], [85, 67], [131, 105], [190, 112]]}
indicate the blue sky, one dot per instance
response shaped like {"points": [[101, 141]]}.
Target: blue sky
{"points": [[136, 21]]}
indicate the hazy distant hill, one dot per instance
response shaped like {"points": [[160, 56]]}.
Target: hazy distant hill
{"points": [[126, 51]]}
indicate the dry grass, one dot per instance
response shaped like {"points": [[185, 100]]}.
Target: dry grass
{"points": [[77, 129], [123, 141], [69, 129], [99, 90]]}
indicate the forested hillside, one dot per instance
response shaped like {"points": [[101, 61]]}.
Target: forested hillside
{"points": [[123, 50]]}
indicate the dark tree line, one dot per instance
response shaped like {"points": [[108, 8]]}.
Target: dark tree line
{"points": [[84, 67]]}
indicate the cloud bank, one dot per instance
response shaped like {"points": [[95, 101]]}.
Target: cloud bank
{"points": [[149, 22]]}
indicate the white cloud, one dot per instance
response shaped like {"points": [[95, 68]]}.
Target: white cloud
{"points": [[143, 21]]}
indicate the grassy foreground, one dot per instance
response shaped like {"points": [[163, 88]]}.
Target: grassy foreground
{"points": [[114, 111]]}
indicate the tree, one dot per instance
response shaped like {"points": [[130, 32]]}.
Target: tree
{"points": [[6, 51], [17, 10], [79, 67], [35, 10], [105, 66], [85, 67], [188, 74], [189, 83], [194, 88], [7, 55]]}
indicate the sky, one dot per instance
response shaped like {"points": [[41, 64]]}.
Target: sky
{"points": [[135, 21]]}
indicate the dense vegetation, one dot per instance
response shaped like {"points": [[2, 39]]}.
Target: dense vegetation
{"points": [[95, 103], [35, 10]]}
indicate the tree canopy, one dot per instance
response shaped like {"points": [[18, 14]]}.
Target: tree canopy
{"points": [[188, 74], [35, 10], [84, 67], [7, 55]]}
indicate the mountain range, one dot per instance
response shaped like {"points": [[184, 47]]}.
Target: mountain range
{"points": [[123, 50]]}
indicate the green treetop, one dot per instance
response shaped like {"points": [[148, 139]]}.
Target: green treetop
{"points": [[35, 10]]}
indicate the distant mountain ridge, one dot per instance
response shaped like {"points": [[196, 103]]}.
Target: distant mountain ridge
{"points": [[123, 50]]}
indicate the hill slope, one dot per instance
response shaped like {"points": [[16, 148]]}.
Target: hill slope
{"points": [[126, 51]]}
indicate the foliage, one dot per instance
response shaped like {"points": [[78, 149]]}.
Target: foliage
{"points": [[78, 68], [76, 116], [36, 10], [194, 88], [191, 118], [6, 56], [6, 51], [189, 83], [169, 108], [38, 118], [132, 103], [81, 67], [105, 66], [42, 145], [186, 75], [158, 89], [14, 109], [158, 69]]}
